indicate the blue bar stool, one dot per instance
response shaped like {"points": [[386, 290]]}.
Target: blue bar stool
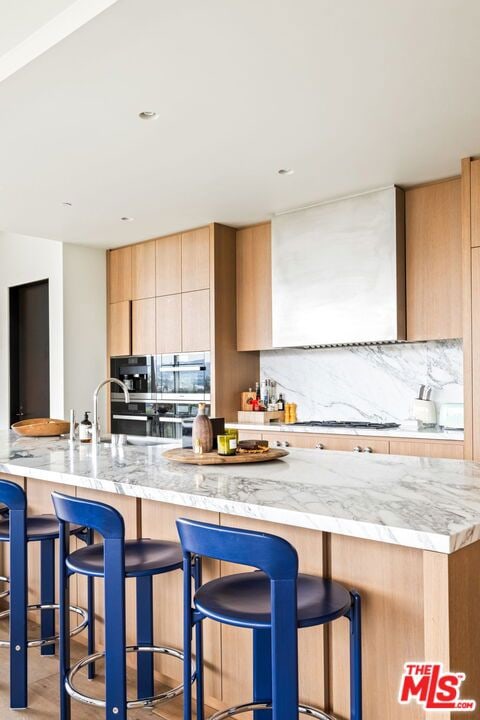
{"points": [[274, 602], [18, 529], [115, 560]]}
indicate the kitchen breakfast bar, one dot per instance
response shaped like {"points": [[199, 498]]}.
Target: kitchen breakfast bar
{"points": [[403, 531]]}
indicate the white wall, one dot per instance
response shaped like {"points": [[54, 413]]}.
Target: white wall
{"points": [[77, 304], [23, 260], [84, 328]]}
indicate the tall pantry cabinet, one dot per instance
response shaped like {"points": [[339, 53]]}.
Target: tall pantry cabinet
{"points": [[178, 294]]}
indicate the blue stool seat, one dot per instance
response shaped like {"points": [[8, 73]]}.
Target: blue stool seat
{"points": [[142, 557], [244, 600], [39, 527]]}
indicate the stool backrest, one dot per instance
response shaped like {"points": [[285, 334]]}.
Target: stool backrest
{"points": [[272, 554], [12, 495], [89, 513]]}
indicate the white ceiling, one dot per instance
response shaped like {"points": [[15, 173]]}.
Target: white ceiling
{"points": [[352, 95]]}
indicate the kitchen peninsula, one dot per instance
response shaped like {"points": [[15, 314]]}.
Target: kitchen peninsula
{"points": [[404, 531]]}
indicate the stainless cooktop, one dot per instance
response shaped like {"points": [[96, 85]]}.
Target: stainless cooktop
{"points": [[349, 424]]}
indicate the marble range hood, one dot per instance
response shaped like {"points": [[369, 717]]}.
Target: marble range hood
{"points": [[338, 272]]}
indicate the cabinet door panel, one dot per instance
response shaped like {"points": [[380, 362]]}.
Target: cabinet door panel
{"points": [[143, 327], [169, 324], [119, 328], [434, 449], [196, 259], [120, 274], [143, 270], [475, 200], [434, 261], [169, 265], [254, 288], [196, 321]]}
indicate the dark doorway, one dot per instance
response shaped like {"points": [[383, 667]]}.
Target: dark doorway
{"points": [[29, 352]]}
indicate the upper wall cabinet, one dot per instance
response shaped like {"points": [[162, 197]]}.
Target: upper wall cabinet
{"points": [[120, 275], [169, 265], [434, 261], [254, 288], [143, 270], [475, 202], [196, 260]]}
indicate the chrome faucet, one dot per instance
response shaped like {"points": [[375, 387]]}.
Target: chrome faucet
{"points": [[96, 423]]}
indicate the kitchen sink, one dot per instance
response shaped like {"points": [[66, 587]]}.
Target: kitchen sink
{"points": [[135, 440]]}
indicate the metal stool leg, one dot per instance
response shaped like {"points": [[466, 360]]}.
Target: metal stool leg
{"points": [[64, 642], [18, 610], [199, 682], [145, 687], [91, 613], [355, 658], [187, 637], [47, 593], [262, 671]]}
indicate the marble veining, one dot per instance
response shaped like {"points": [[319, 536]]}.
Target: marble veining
{"points": [[416, 502], [374, 383]]}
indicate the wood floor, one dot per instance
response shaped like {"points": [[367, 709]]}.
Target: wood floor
{"points": [[43, 692]]}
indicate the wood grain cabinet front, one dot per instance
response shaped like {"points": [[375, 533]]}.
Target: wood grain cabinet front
{"points": [[434, 261], [119, 328], [143, 327], [435, 449], [120, 274], [196, 321], [196, 259], [169, 324], [168, 265], [143, 270], [347, 443], [254, 288]]}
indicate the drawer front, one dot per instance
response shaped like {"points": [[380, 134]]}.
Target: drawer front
{"points": [[347, 443], [435, 449]]}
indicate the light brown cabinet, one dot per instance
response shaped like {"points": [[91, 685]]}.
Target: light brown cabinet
{"points": [[169, 324], [169, 265], [254, 288], [349, 443], [475, 202], [435, 449], [196, 321], [434, 261], [196, 259], [120, 274], [119, 328], [143, 327], [143, 270]]}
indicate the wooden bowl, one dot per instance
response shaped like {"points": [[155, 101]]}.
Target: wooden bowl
{"points": [[41, 427]]}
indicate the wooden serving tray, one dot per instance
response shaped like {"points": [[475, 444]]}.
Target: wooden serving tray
{"points": [[185, 455], [41, 427]]}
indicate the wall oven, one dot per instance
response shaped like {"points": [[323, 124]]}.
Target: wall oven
{"points": [[137, 372], [134, 418], [183, 377], [169, 418]]}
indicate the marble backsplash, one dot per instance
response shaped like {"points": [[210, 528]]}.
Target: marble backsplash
{"points": [[375, 383]]}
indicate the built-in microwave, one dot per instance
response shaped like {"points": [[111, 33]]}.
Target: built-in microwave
{"points": [[183, 377]]}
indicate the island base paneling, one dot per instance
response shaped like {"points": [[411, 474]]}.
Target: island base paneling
{"points": [[158, 521], [237, 642]]}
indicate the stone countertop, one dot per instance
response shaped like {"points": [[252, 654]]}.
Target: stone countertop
{"points": [[360, 432], [416, 502]]}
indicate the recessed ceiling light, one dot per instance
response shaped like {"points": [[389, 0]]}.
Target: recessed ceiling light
{"points": [[285, 171], [127, 219], [148, 115], [66, 204]]}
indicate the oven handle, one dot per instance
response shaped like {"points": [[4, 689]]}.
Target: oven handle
{"points": [[140, 418], [169, 420], [182, 368]]}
